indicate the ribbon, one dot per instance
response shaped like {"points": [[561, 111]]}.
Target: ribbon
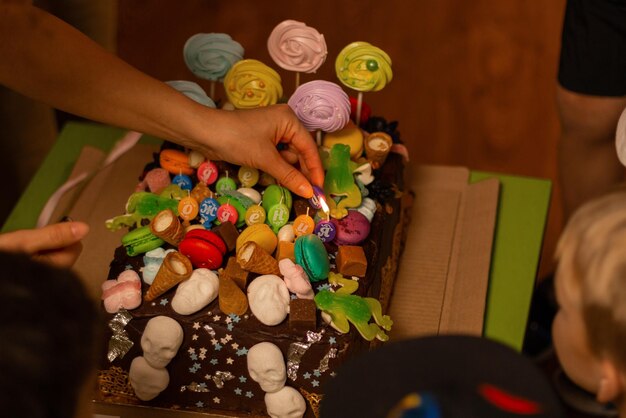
{"points": [[83, 179]]}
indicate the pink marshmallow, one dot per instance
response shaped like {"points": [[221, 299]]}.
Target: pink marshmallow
{"points": [[296, 279], [125, 292]]}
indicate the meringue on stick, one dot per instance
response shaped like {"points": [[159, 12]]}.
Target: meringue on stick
{"points": [[321, 106], [363, 67], [294, 46], [211, 55]]}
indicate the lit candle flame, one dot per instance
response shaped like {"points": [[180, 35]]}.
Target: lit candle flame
{"points": [[325, 207]]}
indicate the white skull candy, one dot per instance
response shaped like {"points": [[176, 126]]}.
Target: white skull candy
{"points": [[266, 366], [286, 403], [146, 380], [196, 292], [268, 297], [161, 340]]}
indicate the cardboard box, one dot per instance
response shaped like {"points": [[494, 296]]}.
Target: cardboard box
{"points": [[443, 273]]}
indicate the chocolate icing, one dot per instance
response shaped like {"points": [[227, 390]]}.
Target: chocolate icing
{"points": [[215, 343]]}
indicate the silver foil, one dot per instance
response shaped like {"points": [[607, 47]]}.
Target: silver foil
{"points": [[194, 387], [119, 344], [297, 350], [209, 329], [332, 353], [220, 377]]}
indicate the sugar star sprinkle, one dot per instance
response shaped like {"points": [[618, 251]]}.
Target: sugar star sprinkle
{"points": [[235, 318], [164, 301], [316, 373], [200, 404], [193, 356], [242, 352], [332, 340], [218, 347], [229, 337], [249, 394], [230, 327], [214, 361], [194, 337], [243, 379], [196, 325], [216, 400], [238, 391], [307, 375], [315, 383], [229, 360], [228, 320], [217, 318], [324, 286], [191, 350], [234, 346], [214, 341]]}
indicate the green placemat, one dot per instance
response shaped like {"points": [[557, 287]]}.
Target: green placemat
{"points": [[522, 213], [57, 167]]}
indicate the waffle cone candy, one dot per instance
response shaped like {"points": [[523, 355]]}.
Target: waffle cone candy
{"points": [[167, 226], [175, 268], [377, 147], [253, 258]]}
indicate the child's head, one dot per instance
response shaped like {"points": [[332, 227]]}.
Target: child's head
{"points": [[48, 339], [589, 330]]}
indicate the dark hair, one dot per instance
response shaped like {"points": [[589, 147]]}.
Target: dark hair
{"points": [[48, 339]]}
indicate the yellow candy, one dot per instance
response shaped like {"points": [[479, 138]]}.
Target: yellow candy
{"points": [[261, 234], [350, 136], [363, 67], [250, 84], [248, 176]]}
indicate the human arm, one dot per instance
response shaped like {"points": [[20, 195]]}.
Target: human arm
{"points": [[48, 60], [57, 244]]}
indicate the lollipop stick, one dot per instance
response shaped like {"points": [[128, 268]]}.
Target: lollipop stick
{"points": [[212, 89], [297, 79], [359, 105], [318, 137]]}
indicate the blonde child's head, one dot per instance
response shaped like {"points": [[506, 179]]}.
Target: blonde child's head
{"points": [[589, 329]]}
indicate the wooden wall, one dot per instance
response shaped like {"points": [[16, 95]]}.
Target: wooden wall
{"points": [[474, 81]]}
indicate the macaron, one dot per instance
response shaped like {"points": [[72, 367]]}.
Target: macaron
{"points": [[275, 194], [141, 240], [352, 229], [205, 249], [262, 234], [311, 254], [350, 136], [176, 162]]}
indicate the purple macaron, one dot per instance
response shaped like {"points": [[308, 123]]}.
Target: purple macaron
{"points": [[351, 230]]}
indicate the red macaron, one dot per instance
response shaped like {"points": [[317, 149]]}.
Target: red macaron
{"points": [[205, 249]]}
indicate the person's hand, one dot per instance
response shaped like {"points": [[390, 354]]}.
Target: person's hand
{"points": [[57, 244], [250, 137]]}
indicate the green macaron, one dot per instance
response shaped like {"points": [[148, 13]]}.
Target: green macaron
{"points": [[141, 240], [312, 256]]}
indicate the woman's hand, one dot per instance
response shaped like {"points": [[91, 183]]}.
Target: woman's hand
{"points": [[250, 137]]}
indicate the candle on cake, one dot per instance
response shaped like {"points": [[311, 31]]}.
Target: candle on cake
{"points": [[363, 67], [250, 84], [211, 55], [297, 47]]}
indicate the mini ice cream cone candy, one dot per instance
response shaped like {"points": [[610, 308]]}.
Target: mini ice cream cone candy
{"points": [[377, 147], [175, 268], [253, 258], [167, 226], [232, 300]]}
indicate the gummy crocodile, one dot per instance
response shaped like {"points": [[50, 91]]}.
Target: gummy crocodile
{"points": [[143, 205]]}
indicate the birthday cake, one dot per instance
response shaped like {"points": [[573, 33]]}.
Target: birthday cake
{"points": [[229, 293]]}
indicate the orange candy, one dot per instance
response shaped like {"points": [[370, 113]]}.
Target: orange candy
{"points": [[175, 162]]}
